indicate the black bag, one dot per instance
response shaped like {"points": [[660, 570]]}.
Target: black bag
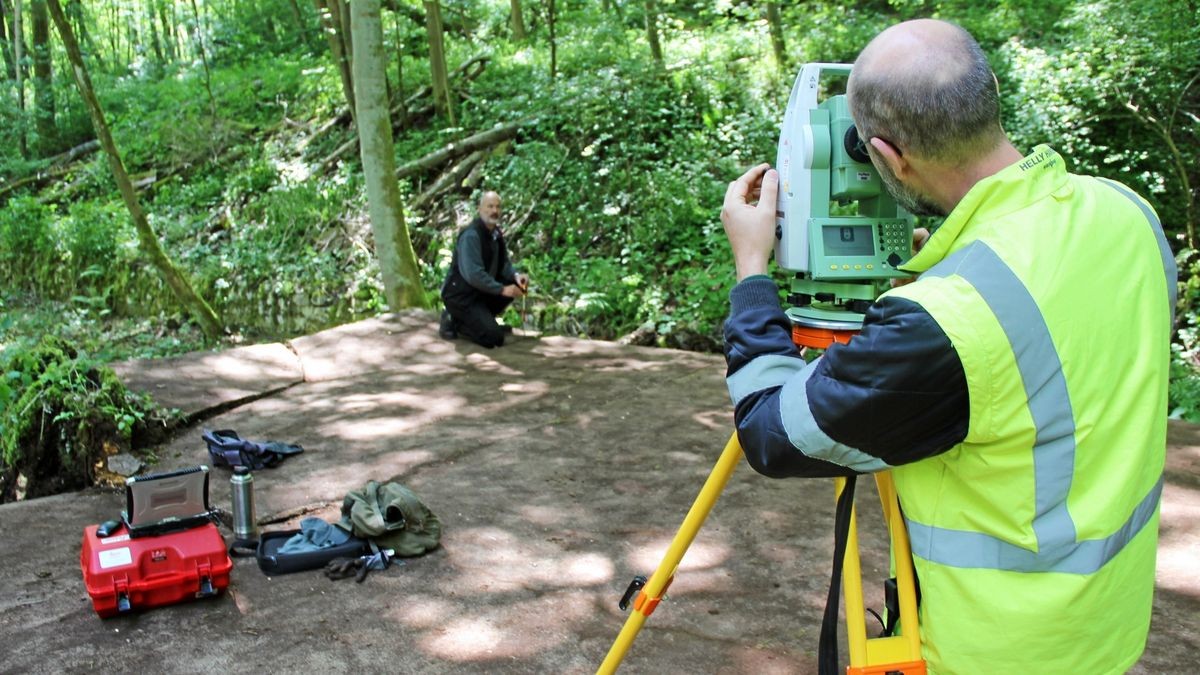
{"points": [[271, 561], [227, 449]]}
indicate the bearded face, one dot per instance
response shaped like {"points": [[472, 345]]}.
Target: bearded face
{"points": [[911, 200]]}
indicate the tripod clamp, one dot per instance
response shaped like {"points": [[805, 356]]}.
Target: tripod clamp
{"points": [[636, 585]]}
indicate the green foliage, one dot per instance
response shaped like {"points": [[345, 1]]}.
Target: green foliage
{"points": [[612, 194], [60, 409], [28, 249]]}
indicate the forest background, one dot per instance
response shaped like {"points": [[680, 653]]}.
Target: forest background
{"points": [[242, 208]]}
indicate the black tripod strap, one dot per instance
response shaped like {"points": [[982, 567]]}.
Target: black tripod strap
{"points": [[827, 649]]}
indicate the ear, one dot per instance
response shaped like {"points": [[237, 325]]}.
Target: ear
{"points": [[891, 156]]}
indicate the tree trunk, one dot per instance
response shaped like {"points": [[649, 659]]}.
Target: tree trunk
{"points": [[550, 23], [168, 30], [155, 43], [651, 17], [467, 145], [393, 247], [147, 238], [198, 34], [5, 47], [43, 80], [298, 17], [442, 98], [19, 56], [330, 18], [614, 7], [79, 20], [403, 121], [345, 32], [518, 21], [775, 27]]}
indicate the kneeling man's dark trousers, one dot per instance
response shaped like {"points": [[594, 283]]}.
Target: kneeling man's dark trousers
{"points": [[475, 317]]}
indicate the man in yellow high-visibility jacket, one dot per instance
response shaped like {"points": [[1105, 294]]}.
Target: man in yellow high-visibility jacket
{"points": [[1017, 388]]}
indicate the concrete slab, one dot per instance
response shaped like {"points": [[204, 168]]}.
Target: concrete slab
{"points": [[201, 381], [560, 469]]}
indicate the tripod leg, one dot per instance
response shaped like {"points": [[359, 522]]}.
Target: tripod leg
{"points": [[649, 597], [902, 555]]}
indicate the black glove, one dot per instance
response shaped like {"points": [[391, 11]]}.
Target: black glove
{"points": [[342, 568]]}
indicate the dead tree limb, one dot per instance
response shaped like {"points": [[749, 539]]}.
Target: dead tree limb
{"points": [[448, 180], [466, 146], [56, 167], [81, 150], [466, 72]]}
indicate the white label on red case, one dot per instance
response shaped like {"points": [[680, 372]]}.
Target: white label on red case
{"points": [[115, 558], [113, 540]]}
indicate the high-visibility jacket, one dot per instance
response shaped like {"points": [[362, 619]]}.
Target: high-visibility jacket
{"points": [[1018, 389], [1040, 528]]}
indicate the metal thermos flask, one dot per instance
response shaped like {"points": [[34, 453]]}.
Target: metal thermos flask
{"points": [[245, 527]]}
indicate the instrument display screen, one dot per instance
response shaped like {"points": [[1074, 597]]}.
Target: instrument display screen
{"points": [[848, 240]]}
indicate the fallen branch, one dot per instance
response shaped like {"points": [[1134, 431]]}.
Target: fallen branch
{"points": [[81, 150], [448, 180], [466, 146], [406, 111], [466, 72], [57, 167]]}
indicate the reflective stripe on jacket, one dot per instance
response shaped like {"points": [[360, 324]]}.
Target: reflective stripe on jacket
{"points": [[1034, 538]]}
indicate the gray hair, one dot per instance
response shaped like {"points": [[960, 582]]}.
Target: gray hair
{"points": [[938, 101]]}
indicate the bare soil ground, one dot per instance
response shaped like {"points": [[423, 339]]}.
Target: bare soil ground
{"points": [[560, 468]]}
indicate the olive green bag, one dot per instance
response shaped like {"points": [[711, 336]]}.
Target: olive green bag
{"points": [[390, 516]]}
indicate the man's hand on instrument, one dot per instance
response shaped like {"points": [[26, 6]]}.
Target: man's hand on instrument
{"points": [[749, 219], [920, 236]]}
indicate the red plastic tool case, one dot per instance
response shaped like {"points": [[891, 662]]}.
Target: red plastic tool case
{"points": [[123, 573]]}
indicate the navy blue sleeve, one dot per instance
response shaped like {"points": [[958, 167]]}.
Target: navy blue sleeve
{"points": [[895, 394], [897, 391]]}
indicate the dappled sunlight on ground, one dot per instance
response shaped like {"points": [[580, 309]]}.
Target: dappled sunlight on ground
{"points": [[498, 633], [489, 364], [702, 554], [551, 516], [560, 468], [689, 457], [331, 482], [500, 561], [716, 420], [765, 661]]}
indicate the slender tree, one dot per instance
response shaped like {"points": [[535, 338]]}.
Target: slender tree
{"points": [[551, 23], [43, 79], [651, 19], [5, 46], [518, 21], [198, 33], [147, 237], [18, 39], [331, 18], [80, 24], [443, 100], [155, 43], [393, 247], [614, 7], [298, 17], [167, 23], [775, 27]]}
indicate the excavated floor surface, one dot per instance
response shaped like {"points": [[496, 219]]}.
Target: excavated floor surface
{"points": [[560, 468]]}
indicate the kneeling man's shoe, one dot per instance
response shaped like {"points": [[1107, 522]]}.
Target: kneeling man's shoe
{"points": [[446, 328]]}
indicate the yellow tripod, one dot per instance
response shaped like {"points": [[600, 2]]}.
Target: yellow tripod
{"points": [[875, 656]]}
